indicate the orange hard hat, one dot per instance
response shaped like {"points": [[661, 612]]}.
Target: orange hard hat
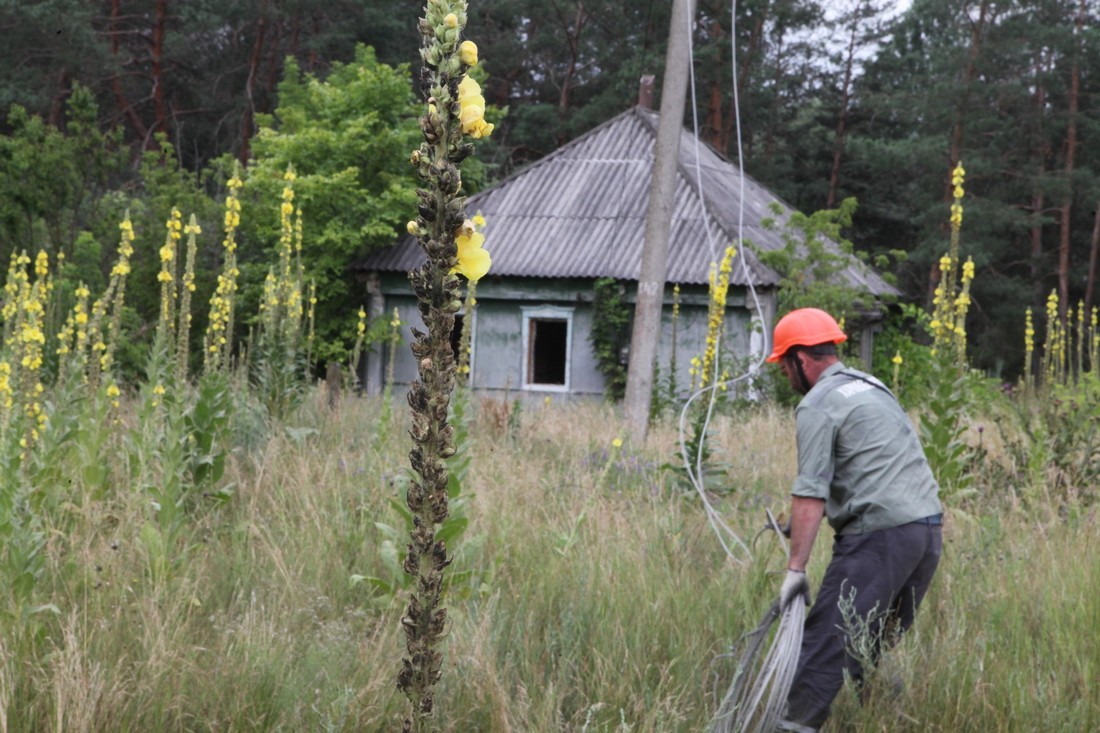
{"points": [[804, 327]]}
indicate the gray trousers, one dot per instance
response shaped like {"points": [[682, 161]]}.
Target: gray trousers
{"points": [[889, 571]]}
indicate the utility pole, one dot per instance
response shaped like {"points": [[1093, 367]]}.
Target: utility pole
{"points": [[662, 192]]}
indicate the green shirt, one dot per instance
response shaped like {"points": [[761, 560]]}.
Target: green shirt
{"points": [[858, 451]]}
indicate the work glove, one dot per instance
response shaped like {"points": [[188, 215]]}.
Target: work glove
{"points": [[794, 585]]}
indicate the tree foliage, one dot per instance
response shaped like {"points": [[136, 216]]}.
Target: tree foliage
{"points": [[833, 100], [347, 137]]}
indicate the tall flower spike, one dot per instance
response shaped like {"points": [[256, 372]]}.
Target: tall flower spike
{"points": [[716, 312], [167, 275], [116, 294], [187, 287], [952, 296], [219, 331], [454, 110]]}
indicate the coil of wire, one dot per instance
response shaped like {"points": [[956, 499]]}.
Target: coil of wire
{"points": [[758, 693]]}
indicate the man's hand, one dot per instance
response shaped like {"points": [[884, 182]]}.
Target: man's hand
{"points": [[794, 585]]}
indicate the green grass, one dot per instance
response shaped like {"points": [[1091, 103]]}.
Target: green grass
{"points": [[597, 599]]}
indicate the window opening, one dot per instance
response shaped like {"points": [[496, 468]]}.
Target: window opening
{"points": [[548, 351], [547, 347]]}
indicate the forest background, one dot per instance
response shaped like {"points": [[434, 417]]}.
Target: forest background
{"points": [[237, 563], [112, 106]]}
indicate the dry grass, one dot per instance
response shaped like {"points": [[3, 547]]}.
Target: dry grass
{"points": [[597, 597]]}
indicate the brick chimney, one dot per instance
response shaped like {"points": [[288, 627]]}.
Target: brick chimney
{"points": [[645, 92]]}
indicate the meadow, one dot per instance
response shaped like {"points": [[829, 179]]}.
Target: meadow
{"points": [[209, 540], [588, 591]]}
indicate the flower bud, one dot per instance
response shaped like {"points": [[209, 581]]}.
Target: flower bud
{"points": [[467, 51]]}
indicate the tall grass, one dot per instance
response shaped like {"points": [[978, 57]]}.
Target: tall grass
{"points": [[597, 598]]}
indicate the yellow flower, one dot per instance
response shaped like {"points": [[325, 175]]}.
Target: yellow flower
{"points": [[467, 53], [113, 391], [897, 358], [968, 270], [958, 175], [472, 109], [473, 260], [617, 443], [451, 20], [412, 228]]}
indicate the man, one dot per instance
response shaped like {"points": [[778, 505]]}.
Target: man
{"points": [[860, 464]]}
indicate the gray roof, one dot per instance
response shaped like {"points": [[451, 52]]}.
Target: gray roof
{"points": [[581, 210]]}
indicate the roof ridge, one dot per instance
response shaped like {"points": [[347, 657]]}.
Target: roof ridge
{"points": [[557, 153]]}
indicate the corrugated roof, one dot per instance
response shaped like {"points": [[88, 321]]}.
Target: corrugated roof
{"points": [[580, 212]]}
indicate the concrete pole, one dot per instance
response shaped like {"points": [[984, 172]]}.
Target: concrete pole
{"points": [[662, 191]]}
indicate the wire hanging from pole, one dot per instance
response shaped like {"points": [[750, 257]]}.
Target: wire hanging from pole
{"points": [[694, 464], [757, 696]]}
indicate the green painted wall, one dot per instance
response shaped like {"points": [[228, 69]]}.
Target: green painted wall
{"points": [[499, 349]]}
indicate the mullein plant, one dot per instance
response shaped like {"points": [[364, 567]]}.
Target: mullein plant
{"points": [[21, 387], [280, 365], [465, 337], [897, 361], [1029, 352], [392, 340], [716, 313], [1054, 344], [23, 418], [311, 312], [941, 425], [186, 290], [164, 340], [169, 256], [1094, 341], [357, 348], [218, 342], [702, 372], [455, 110], [952, 297], [1067, 353], [106, 314]]}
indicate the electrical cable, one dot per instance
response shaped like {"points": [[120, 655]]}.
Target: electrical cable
{"points": [[726, 535], [758, 694]]}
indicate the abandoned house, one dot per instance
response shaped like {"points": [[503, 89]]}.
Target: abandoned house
{"points": [[578, 215]]}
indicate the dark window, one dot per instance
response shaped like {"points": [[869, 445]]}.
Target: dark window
{"points": [[547, 349]]}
